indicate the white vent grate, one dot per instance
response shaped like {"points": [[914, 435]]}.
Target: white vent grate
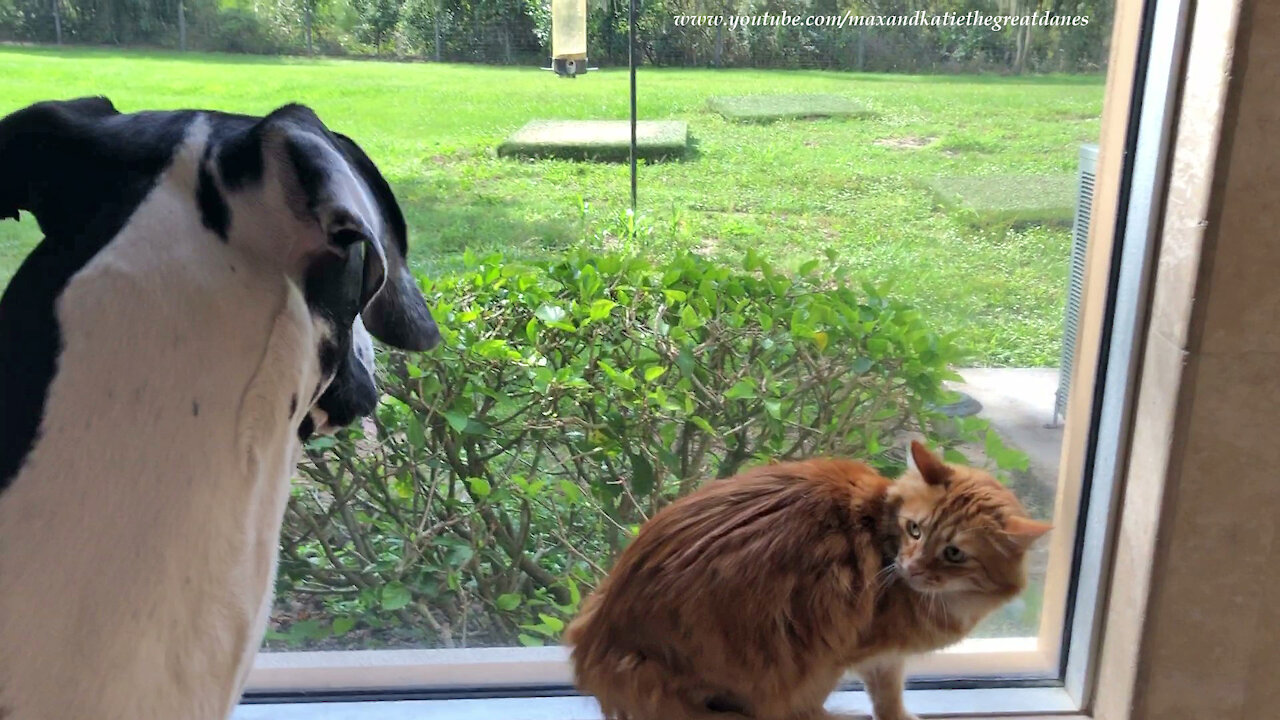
{"points": [[1075, 279]]}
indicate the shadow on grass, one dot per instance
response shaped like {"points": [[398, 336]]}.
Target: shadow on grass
{"points": [[116, 52], [441, 230], [693, 151], [201, 57], [444, 224]]}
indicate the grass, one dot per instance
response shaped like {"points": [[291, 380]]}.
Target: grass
{"points": [[790, 190], [601, 140], [1008, 200], [771, 108]]}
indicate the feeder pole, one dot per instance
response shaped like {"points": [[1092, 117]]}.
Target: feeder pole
{"points": [[631, 61]]}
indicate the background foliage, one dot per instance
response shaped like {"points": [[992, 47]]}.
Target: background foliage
{"points": [[517, 31]]}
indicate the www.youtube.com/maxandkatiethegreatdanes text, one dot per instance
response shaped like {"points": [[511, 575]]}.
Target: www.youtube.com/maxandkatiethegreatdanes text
{"points": [[919, 18]]}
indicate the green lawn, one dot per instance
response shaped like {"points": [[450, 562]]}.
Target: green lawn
{"points": [[789, 189]]}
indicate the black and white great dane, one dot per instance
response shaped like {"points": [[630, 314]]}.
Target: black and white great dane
{"points": [[198, 306]]}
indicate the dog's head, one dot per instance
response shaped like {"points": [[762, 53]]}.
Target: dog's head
{"points": [[283, 189], [292, 191]]}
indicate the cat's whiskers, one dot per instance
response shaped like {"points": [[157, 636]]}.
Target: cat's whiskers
{"points": [[884, 578]]}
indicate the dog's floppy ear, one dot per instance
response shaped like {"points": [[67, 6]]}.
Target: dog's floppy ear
{"points": [[328, 179], [289, 158], [49, 152], [397, 315]]}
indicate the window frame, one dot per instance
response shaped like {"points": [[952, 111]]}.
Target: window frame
{"points": [[1161, 54], [1052, 673], [1006, 702]]}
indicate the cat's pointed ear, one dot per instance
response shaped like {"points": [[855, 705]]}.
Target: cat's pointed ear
{"points": [[1024, 531], [931, 468]]}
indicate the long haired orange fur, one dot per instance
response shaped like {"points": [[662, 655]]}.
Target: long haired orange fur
{"points": [[752, 596]]}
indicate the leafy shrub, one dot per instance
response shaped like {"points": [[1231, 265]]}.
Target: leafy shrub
{"points": [[242, 31], [569, 402]]}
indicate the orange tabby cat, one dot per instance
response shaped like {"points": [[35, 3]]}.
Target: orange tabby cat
{"points": [[752, 596]]}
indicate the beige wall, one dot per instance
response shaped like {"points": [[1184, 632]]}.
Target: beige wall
{"points": [[1196, 632]]}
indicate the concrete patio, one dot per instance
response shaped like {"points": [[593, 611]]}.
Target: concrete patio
{"points": [[1018, 402]]}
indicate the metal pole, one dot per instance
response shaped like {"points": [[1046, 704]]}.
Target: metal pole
{"points": [[631, 61]]}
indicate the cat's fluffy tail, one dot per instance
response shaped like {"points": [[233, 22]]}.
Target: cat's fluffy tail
{"points": [[627, 684], [637, 688]]}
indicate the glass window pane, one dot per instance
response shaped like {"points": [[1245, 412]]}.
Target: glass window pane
{"points": [[857, 227]]}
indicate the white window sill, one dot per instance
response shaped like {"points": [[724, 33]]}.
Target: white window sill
{"points": [[1007, 702], [510, 667]]}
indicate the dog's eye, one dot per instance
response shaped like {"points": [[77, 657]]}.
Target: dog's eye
{"points": [[913, 529], [953, 554], [346, 237]]}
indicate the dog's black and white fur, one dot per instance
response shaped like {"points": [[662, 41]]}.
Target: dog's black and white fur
{"points": [[198, 305]]}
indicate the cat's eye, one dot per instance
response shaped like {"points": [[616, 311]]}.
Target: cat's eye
{"points": [[953, 554], [913, 529]]}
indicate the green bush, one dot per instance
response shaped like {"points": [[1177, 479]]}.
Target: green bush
{"points": [[569, 402], [242, 31]]}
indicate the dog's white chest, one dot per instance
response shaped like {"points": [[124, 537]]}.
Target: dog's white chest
{"points": [[186, 393], [198, 304]]}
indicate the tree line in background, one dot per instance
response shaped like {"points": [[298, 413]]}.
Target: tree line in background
{"points": [[518, 31]]}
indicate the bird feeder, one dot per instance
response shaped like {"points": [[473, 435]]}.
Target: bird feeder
{"points": [[569, 37]]}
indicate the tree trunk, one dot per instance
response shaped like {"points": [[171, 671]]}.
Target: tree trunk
{"points": [[182, 26], [307, 18], [1023, 46], [719, 43], [436, 23], [861, 64], [57, 22], [475, 30]]}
